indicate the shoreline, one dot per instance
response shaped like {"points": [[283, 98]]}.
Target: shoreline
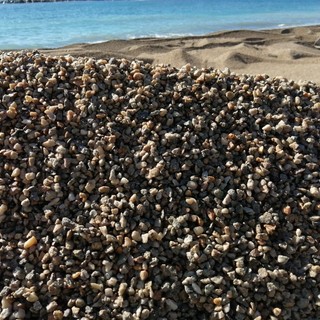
{"points": [[285, 52]]}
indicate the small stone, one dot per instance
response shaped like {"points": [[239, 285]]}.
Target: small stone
{"points": [[75, 310], [25, 203], [30, 242], [112, 281], [192, 185], [53, 305], [270, 228], [145, 313], [145, 238], [58, 315], [282, 259], [96, 286], [266, 218], [3, 209], [198, 230], [104, 189], [263, 273], [136, 236], [171, 304], [314, 271], [15, 173], [217, 279], [227, 200], [230, 95], [32, 297], [90, 185], [30, 176], [144, 275], [138, 76], [286, 210], [80, 302], [49, 143], [191, 201], [196, 288], [282, 127], [123, 287], [250, 184], [277, 311], [267, 128], [315, 192]]}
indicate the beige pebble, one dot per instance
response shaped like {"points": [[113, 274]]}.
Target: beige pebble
{"points": [[314, 271], [136, 235], [315, 192], [11, 113], [286, 210], [3, 209], [90, 185], [277, 311], [6, 302], [217, 301], [76, 275], [198, 230], [133, 198], [127, 242], [25, 203], [103, 189], [57, 315], [230, 95], [30, 242], [32, 297], [30, 176], [96, 286], [138, 76], [15, 173], [49, 143], [191, 201], [144, 275], [122, 288]]}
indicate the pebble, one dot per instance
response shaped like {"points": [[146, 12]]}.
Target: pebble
{"points": [[149, 192], [30, 242], [283, 259], [277, 311], [171, 304], [3, 209], [198, 230], [144, 275]]}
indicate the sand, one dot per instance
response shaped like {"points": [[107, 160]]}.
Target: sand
{"points": [[290, 53]]}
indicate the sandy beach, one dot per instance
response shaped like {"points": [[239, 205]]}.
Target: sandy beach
{"points": [[286, 52]]}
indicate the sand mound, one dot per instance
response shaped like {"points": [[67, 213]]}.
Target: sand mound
{"points": [[268, 51]]}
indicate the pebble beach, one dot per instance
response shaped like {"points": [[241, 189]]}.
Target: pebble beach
{"points": [[137, 191]]}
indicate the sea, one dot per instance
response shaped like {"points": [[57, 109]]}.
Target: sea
{"points": [[56, 24]]}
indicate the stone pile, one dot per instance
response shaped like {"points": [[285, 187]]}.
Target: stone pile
{"points": [[131, 191]]}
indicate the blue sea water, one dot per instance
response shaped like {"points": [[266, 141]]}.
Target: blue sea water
{"points": [[55, 24]]}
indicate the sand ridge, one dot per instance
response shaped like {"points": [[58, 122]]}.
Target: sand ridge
{"points": [[288, 52]]}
